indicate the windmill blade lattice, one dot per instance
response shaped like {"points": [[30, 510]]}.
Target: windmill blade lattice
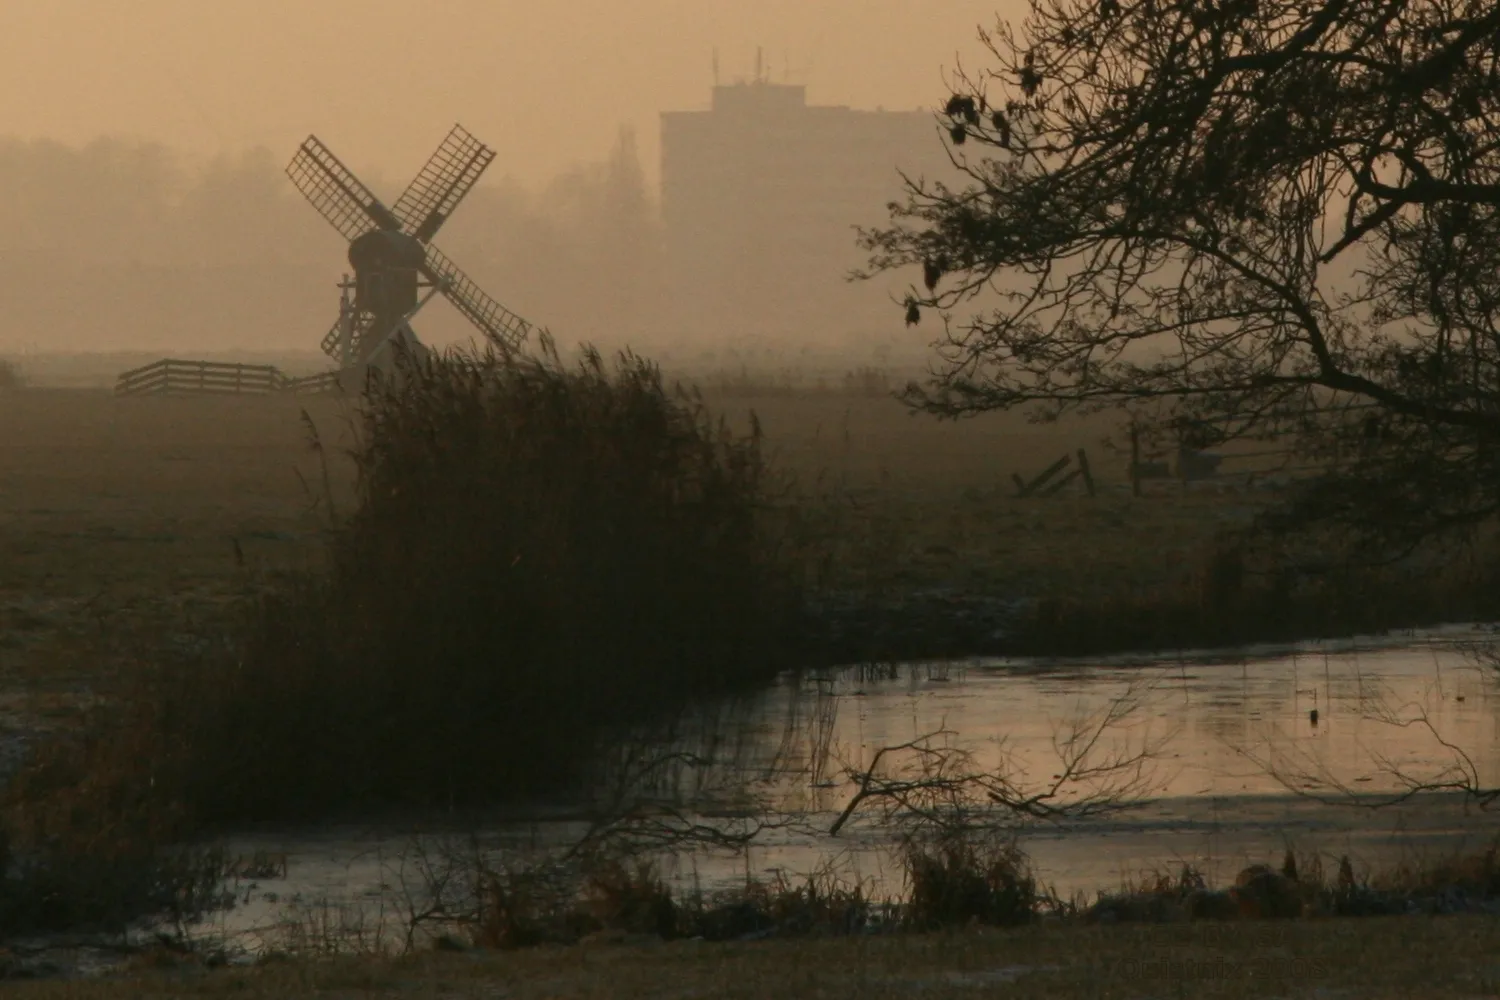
{"points": [[496, 322], [332, 339], [390, 249], [336, 193], [449, 175]]}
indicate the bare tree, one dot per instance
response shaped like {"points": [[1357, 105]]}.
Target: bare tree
{"points": [[656, 799], [932, 784], [1450, 767], [1278, 216]]}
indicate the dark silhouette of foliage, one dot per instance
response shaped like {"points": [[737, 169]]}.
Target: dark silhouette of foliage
{"points": [[1272, 216]]}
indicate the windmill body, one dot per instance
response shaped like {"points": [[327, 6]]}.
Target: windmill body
{"points": [[397, 271]]}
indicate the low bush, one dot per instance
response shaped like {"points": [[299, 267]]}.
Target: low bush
{"points": [[497, 905], [631, 898], [79, 862], [962, 876], [1475, 875]]}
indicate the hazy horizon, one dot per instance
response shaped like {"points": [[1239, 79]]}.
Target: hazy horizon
{"points": [[547, 85], [143, 149]]}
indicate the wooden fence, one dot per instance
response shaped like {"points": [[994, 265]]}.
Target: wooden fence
{"points": [[1237, 463], [172, 376], [1228, 460], [312, 384], [1043, 485]]}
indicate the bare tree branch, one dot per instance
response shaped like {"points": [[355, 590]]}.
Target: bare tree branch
{"points": [[932, 783], [1257, 210], [1306, 776]]}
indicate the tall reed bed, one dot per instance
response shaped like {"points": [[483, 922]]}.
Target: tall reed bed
{"points": [[543, 556]]}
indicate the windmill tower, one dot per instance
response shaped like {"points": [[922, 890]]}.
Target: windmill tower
{"points": [[397, 268]]}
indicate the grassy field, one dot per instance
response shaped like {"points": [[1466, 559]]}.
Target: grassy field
{"points": [[122, 518], [128, 511], [928, 503], [132, 516], [1377, 958], [126, 520]]}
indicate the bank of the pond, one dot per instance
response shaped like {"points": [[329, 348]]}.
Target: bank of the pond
{"points": [[1371, 959], [948, 622]]}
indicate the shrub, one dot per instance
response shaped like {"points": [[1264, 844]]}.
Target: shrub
{"points": [[83, 846], [542, 559], [963, 876], [10, 375], [631, 898]]}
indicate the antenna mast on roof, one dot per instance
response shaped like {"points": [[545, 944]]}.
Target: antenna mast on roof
{"points": [[759, 64], [716, 66]]}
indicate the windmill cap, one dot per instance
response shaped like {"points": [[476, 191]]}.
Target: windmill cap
{"points": [[382, 249]]}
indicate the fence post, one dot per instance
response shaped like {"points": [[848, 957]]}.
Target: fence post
{"points": [[1135, 459], [1083, 467], [1182, 452]]}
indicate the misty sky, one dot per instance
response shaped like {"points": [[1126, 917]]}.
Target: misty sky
{"points": [[547, 83]]}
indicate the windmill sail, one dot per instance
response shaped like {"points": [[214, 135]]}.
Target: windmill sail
{"points": [[496, 322], [442, 183], [332, 340], [336, 193]]}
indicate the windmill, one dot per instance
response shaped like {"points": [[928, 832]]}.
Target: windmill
{"points": [[394, 263], [391, 250]]}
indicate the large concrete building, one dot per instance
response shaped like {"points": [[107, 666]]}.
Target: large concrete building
{"points": [[761, 195]]}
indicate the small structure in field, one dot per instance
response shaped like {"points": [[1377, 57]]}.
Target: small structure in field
{"points": [[397, 271]]}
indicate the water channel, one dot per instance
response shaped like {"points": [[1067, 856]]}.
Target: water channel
{"points": [[1415, 705]]}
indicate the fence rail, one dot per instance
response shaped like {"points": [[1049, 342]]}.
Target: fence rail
{"points": [[174, 376], [1189, 463], [319, 383]]}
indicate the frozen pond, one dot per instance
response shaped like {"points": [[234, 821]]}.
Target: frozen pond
{"points": [[1217, 721]]}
